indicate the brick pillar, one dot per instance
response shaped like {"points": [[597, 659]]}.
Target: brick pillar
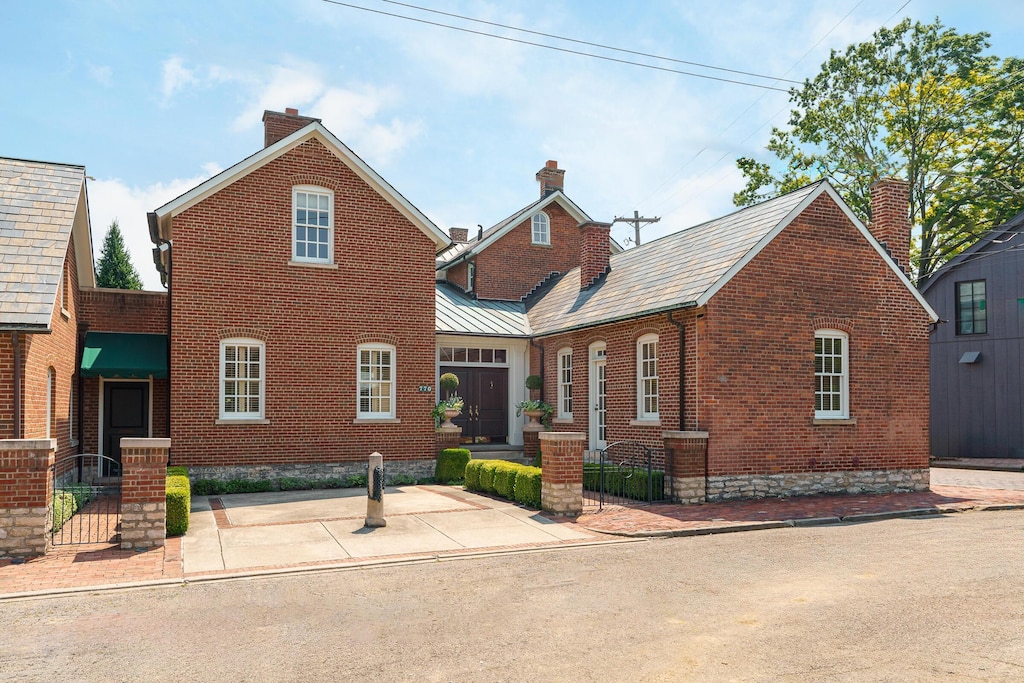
{"points": [[26, 495], [531, 441], [446, 437], [561, 490], [143, 493], [686, 455]]}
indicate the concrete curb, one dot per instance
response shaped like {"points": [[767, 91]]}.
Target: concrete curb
{"points": [[891, 514]]}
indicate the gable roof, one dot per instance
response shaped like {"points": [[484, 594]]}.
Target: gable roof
{"points": [[686, 268], [43, 209], [463, 250], [1011, 230], [459, 313], [314, 130]]}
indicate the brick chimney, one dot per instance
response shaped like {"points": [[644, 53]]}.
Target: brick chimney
{"points": [[595, 248], [890, 218], [277, 125], [459, 235], [551, 178]]}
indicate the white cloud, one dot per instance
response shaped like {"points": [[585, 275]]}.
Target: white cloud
{"points": [[351, 115], [103, 75], [280, 87], [112, 198], [176, 76]]}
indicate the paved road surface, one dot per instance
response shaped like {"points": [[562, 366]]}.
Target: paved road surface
{"points": [[985, 479], [903, 600]]}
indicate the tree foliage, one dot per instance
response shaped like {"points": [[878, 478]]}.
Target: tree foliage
{"points": [[917, 102], [115, 268]]}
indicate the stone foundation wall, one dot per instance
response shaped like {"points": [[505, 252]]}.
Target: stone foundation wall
{"points": [[816, 483], [26, 494], [686, 489], [420, 469]]}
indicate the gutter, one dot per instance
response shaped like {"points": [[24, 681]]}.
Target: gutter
{"points": [[16, 344], [616, 319], [682, 360]]}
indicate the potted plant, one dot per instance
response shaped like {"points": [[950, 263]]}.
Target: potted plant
{"points": [[451, 405], [535, 409]]}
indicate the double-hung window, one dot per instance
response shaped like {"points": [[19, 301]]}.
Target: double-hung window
{"points": [[376, 381], [831, 375], [971, 313], [312, 225], [241, 379], [647, 377], [565, 384], [541, 228]]}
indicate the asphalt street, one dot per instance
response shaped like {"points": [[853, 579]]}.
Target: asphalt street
{"points": [[934, 598]]}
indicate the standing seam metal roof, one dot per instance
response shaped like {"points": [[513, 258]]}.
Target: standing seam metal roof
{"points": [[38, 201], [458, 313]]}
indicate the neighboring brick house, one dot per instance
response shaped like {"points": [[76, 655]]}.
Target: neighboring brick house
{"points": [[302, 313], [783, 331], [977, 359]]}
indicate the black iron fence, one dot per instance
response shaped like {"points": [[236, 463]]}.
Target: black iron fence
{"points": [[86, 503], [625, 473]]}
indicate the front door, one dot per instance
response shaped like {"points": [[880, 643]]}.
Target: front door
{"points": [[598, 407], [484, 391], [125, 413]]}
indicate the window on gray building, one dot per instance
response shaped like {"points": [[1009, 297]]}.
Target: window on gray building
{"points": [[971, 316]]}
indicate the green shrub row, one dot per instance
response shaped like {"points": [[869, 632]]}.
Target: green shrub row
{"points": [[451, 465], [214, 487], [68, 500], [623, 481], [508, 480], [178, 499]]}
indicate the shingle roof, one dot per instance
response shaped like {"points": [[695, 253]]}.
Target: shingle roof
{"points": [[457, 313], [670, 272], [38, 201]]}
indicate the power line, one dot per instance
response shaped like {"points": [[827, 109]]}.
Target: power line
{"points": [[558, 49], [590, 44]]}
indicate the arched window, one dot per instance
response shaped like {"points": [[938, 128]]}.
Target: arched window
{"points": [[541, 228], [831, 375], [647, 377]]}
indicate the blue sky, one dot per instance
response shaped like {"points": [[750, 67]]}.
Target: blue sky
{"points": [[154, 97]]}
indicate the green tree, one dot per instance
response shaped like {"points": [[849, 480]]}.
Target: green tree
{"points": [[917, 102], [115, 269]]}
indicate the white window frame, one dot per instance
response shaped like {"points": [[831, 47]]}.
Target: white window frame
{"points": [[646, 378], [565, 384], [470, 276], [541, 228], [365, 379], [843, 375], [307, 191], [261, 364]]}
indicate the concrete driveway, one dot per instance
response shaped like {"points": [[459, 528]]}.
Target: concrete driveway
{"points": [[239, 532]]}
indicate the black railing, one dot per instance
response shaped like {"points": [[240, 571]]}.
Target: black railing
{"points": [[624, 473], [86, 506]]}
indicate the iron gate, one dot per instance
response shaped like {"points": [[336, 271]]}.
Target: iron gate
{"points": [[86, 500], [624, 473]]}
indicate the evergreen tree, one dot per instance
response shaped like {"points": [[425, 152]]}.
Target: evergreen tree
{"points": [[115, 269]]}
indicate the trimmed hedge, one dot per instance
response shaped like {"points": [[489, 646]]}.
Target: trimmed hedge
{"points": [[451, 464], [626, 482], [177, 500], [509, 480], [68, 500]]}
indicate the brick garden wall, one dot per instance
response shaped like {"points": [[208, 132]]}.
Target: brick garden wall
{"points": [[122, 310], [310, 318]]}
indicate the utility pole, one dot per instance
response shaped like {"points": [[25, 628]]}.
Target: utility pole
{"points": [[636, 222]]}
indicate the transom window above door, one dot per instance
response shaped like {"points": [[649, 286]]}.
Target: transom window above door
{"points": [[462, 354], [312, 225]]}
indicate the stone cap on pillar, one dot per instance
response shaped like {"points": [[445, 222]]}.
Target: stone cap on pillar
{"points": [[562, 436], [684, 435], [133, 442], [28, 444]]}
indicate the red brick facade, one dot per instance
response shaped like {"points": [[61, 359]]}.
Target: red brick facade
{"points": [[233, 277], [512, 266], [122, 310]]}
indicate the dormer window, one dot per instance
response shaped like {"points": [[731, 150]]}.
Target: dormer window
{"points": [[312, 225], [541, 228]]}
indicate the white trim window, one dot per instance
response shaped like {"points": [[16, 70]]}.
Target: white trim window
{"points": [[647, 377], [312, 224], [376, 399], [470, 276], [565, 384], [831, 375], [241, 379], [541, 228]]}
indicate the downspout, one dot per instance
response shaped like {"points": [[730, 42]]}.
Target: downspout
{"points": [[16, 344], [164, 245], [682, 374], [80, 390]]}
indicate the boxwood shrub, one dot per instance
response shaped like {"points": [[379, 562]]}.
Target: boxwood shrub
{"points": [[509, 480], [472, 482], [505, 478], [527, 487], [178, 501], [487, 475], [623, 481], [451, 464]]}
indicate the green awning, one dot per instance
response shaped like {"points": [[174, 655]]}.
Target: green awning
{"points": [[121, 354]]}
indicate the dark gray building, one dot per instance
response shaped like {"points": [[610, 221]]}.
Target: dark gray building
{"points": [[977, 355]]}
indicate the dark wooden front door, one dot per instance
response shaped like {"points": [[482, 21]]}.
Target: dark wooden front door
{"points": [[484, 417], [125, 413]]}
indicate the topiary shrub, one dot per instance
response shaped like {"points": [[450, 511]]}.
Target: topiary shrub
{"points": [[178, 503], [472, 472], [527, 486], [451, 464], [487, 475], [505, 478]]}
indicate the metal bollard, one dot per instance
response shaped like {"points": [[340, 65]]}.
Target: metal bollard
{"points": [[375, 492]]}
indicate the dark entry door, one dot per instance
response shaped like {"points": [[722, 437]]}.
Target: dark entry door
{"points": [[484, 417], [125, 413]]}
